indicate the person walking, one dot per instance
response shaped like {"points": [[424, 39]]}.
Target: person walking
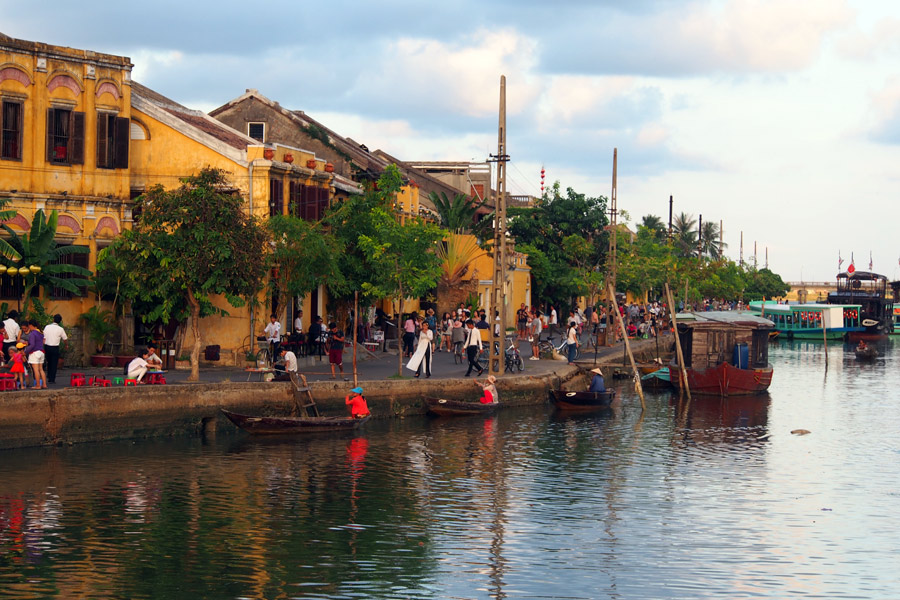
{"points": [[336, 349], [537, 326], [54, 336], [35, 352], [409, 334], [521, 321], [572, 341], [473, 347], [12, 333], [422, 355]]}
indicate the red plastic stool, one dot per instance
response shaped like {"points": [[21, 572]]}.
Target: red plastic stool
{"points": [[100, 382], [76, 380], [130, 382], [7, 382]]}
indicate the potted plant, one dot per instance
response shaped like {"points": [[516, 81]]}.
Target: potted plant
{"points": [[288, 157], [310, 163], [269, 153], [183, 362], [100, 324]]}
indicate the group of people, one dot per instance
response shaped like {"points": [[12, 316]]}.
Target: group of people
{"points": [[26, 343], [285, 357]]}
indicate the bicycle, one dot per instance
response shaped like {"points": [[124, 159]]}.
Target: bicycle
{"points": [[459, 357], [548, 345], [513, 358], [265, 356]]}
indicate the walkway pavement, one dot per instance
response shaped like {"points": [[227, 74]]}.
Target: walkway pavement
{"points": [[383, 365]]}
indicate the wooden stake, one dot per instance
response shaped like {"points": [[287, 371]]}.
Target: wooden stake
{"points": [[684, 376], [355, 329], [637, 377], [825, 339]]}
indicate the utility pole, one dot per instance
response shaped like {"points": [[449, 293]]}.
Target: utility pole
{"points": [[741, 256], [754, 254], [669, 239], [611, 270], [767, 257], [721, 239], [700, 238], [498, 283]]}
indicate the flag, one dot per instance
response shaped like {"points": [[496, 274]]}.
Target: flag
{"points": [[851, 268], [840, 261]]}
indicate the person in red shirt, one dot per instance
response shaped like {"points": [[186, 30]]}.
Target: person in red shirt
{"points": [[357, 403]]}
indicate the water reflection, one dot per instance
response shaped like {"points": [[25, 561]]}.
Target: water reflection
{"points": [[703, 499]]}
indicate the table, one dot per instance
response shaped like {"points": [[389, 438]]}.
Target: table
{"points": [[156, 377], [262, 371]]}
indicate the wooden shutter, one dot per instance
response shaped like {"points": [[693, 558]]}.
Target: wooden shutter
{"points": [[49, 135], [120, 152], [103, 140], [76, 138], [323, 202]]}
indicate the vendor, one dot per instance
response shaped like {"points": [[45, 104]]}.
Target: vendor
{"points": [[597, 383], [357, 403]]}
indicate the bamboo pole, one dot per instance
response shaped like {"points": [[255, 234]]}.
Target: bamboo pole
{"points": [[825, 339], [684, 376], [637, 377], [355, 329]]}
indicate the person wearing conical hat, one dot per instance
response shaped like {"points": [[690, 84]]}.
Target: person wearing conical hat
{"points": [[357, 403], [597, 383]]}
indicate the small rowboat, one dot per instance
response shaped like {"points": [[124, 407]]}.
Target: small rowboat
{"points": [[291, 425], [868, 353], [563, 400], [457, 408]]}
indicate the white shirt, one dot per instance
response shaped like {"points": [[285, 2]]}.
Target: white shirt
{"points": [[273, 332], [298, 324], [54, 335], [290, 362], [12, 330], [572, 335], [553, 317], [136, 364], [426, 336], [474, 338], [151, 358]]}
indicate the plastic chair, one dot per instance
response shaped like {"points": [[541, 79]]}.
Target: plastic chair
{"points": [[76, 380], [7, 382], [130, 382], [117, 380]]}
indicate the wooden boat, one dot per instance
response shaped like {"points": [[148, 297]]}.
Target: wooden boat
{"points": [[868, 353], [658, 379], [458, 408], [809, 321], [869, 291], [564, 400], [292, 425], [726, 353]]}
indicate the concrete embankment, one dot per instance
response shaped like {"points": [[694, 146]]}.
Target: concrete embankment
{"points": [[73, 415]]}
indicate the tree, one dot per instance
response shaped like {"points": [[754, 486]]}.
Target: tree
{"points": [[191, 244], [304, 255], [6, 250], [654, 226], [709, 242], [38, 248], [456, 255], [456, 215], [685, 234], [401, 255]]}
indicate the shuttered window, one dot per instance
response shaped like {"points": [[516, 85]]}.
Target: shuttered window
{"points": [[312, 202], [113, 134], [11, 130], [65, 136], [276, 197]]}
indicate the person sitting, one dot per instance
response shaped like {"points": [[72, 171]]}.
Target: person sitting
{"points": [[491, 396], [597, 383], [153, 361], [862, 345], [286, 365], [357, 403], [314, 346], [137, 368]]}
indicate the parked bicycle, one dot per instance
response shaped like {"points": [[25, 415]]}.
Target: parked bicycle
{"points": [[549, 345], [513, 358]]}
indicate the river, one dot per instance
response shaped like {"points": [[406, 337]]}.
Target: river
{"points": [[711, 499]]}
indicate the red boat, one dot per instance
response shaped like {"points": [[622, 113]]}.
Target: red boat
{"points": [[726, 353]]}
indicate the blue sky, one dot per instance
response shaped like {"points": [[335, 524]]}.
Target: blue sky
{"points": [[779, 117]]}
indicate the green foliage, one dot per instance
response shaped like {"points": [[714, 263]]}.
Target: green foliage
{"points": [[306, 256], [6, 250], [543, 230], [100, 324], [457, 214], [39, 313], [39, 248]]}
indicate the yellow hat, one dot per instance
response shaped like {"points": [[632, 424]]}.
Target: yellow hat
{"points": [[21, 345]]}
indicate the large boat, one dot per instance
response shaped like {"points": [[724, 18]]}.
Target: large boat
{"points": [[726, 353], [806, 321], [292, 425], [869, 291]]}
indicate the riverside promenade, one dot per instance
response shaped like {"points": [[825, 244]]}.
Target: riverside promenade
{"points": [[66, 415]]}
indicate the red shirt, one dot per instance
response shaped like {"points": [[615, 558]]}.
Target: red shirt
{"points": [[358, 406]]}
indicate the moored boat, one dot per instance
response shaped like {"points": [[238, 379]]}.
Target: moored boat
{"points": [[810, 321], [869, 291], [658, 379], [868, 353], [725, 353], [583, 401], [292, 425], [458, 408]]}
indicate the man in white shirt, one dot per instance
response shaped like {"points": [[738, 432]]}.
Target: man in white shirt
{"points": [[298, 322], [54, 336], [13, 333], [286, 366], [273, 334], [473, 347], [137, 368]]}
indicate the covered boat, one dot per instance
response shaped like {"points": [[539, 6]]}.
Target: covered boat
{"points": [[583, 401], [456, 408], [726, 353], [292, 425], [869, 291]]}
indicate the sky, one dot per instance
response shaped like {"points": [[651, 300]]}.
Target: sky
{"points": [[779, 118]]}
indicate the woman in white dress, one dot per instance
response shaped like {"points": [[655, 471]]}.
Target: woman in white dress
{"points": [[422, 355]]}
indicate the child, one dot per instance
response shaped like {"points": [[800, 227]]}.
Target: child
{"points": [[18, 364]]}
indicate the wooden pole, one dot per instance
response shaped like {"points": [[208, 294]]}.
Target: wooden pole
{"points": [[825, 339], [684, 376], [637, 376], [355, 329], [496, 344]]}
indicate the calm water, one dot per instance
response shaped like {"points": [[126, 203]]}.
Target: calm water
{"points": [[712, 500]]}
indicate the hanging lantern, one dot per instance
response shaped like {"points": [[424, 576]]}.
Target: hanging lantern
{"points": [[12, 271], [2, 269], [24, 271], [35, 269]]}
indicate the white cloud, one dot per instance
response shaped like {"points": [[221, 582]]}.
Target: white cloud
{"points": [[883, 39]]}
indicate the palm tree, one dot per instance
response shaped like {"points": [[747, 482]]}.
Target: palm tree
{"points": [[7, 251], [685, 234], [457, 254], [39, 249], [710, 241], [654, 226], [456, 215]]}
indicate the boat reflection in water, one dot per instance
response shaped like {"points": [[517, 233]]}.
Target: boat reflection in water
{"points": [[736, 419]]}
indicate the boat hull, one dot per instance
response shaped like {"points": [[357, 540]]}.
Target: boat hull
{"points": [[725, 380], [867, 354], [292, 425], [581, 401], [458, 408]]}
